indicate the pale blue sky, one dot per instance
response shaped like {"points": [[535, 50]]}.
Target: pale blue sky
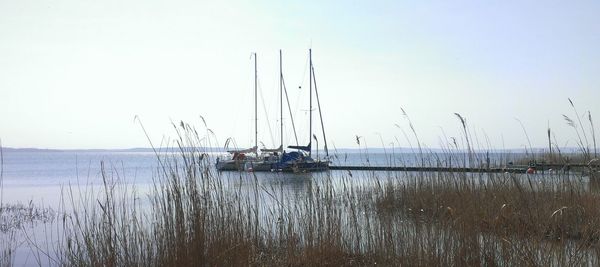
{"points": [[73, 74]]}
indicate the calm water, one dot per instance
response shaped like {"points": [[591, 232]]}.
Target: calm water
{"points": [[39, 176], [40, 179]]}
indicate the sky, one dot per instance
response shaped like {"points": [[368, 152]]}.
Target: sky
{"points": [[75, 73]]}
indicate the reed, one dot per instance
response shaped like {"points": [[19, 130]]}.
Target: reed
{"points": [[15, 221], [192, 215], [196, 216]]}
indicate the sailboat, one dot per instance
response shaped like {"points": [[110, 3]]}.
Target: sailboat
{"points": [[301, 160], [241, 159], [278, 159], [270, 158]]}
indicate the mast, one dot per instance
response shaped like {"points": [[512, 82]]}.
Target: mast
{"points": [[281, 99], [310, 101], [255, 104]]}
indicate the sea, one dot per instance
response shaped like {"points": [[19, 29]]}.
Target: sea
{"points": [[35, 184], [41, 175]]}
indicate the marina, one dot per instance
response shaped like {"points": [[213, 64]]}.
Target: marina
{"points": [[298, 160]]}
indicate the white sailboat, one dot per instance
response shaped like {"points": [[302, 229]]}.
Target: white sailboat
{"points": [[242, 158]]}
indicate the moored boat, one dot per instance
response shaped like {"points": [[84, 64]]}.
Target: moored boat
{"points": [[240, 159], [278, 159], [301, 160]]}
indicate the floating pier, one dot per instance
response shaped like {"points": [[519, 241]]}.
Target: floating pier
{"points": [[508, 169], [429, 169]]}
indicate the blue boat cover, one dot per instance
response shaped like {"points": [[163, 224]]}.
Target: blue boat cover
{"points": [[290, 157]]}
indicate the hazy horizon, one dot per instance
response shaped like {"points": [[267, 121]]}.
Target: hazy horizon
{"points": [[362, 149], [75, 74]]}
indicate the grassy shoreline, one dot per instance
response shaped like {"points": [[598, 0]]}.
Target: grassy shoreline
{"points": [[414, 219], [193, 215]]}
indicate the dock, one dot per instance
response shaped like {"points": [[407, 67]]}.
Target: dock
{"points": [[428, 169], [507, 169]]}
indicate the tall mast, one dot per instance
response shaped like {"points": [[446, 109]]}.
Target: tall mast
{"points": [[310, 101], [255, 104], [280, 98]]}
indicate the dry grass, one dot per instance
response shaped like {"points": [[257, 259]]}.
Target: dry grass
{"points": [[504, 220], [196, 216]]}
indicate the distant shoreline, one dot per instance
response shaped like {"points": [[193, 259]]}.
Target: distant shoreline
{"points": [[338, 151]]}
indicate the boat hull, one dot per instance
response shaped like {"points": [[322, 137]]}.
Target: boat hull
{"points": [[302, 167], [245, 165], [231, 165], [262, 166]]}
